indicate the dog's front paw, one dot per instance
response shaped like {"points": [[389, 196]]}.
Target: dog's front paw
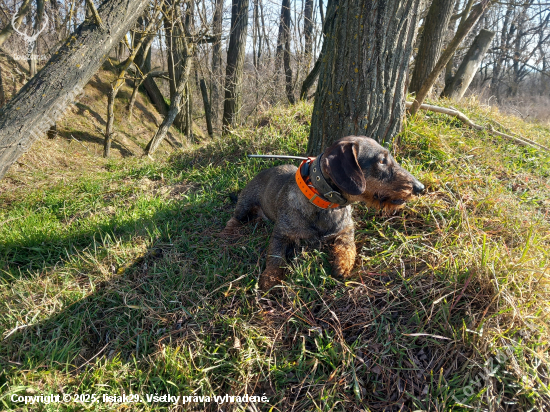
{"points": [[344, 259], [270, 277]]}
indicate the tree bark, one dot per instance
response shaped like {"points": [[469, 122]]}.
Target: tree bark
{"points": [[285, 25], [2, 93], [450, 32], [175, 107], [153, 92], [177, 102], [361, 85], [308, 32], [468, 68], [207, 108], [431, 43], [235, 64], [460, 35], [37, 26], [176, 56], [501, 53], [29, 114], [215, 94], [311, 77], [117, 84]]}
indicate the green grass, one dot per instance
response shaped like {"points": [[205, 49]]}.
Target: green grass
{"points": [[114, 282]]}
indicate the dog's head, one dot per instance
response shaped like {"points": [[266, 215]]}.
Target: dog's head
{"points": [[366, 172]]}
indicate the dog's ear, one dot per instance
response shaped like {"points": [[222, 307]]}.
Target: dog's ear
{"points": [[340, 161]]}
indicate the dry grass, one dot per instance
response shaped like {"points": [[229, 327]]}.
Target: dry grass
{"points": [[115, 282]]}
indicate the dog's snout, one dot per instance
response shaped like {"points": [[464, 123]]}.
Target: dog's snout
{"points": [[417, 187]]}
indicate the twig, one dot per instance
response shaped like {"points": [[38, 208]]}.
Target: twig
{"points": [[523, 141], [15, 330], [82, 144], [95, 14]]}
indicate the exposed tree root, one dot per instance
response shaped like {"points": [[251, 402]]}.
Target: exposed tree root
{"points": [[464, 119]]}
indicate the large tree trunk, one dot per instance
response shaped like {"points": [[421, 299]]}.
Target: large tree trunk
{"points": [[361, 85], [433, 35], [45, 97], [235, 64], [468, 68]]}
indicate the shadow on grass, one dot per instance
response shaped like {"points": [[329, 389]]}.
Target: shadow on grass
{"points": [[184, 318], [147, 304]]}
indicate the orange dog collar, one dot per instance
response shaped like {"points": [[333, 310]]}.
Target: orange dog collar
{"points": [[310, 192]]}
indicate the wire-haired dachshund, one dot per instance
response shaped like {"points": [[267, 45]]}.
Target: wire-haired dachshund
{"points": [[313, 203]]}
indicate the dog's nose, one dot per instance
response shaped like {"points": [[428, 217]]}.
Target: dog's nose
{"points": [[417, 187]]}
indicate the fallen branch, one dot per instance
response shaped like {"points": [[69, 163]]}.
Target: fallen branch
{"points": [[464, 119], [82, 144]]}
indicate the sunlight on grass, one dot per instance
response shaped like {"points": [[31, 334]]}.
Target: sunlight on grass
{"points": [[115, 282]]}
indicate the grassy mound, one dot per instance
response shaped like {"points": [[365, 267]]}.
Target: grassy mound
{"points": [[113, 282]]}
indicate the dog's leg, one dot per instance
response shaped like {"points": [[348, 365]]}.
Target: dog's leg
{"points": [[343, 253], [247, 207], [274, 268]]}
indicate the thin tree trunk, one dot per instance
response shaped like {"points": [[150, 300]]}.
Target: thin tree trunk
{"points": [[256, 48], [468, 67], [450, 65], [36, 28], [2, 94], [215, 95], [460, 35], [115, 87], [311, 77], [433, 35], [174, 34], [175, 107], [264, 32], [37, 106], [308, 32], [501, 53], [285, 25], [188, 112], [177, 102], [207, 109], [143, 61], [361, 85], [235, 64]]}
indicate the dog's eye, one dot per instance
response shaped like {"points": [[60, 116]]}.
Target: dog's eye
{"points": [[382, 161]]}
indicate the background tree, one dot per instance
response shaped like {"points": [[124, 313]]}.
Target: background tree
{"points": [[235, 63], [361, 84], [43, 99], [217, 64], [433, 34], [458, 85]]}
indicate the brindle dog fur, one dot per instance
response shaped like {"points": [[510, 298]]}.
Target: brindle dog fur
{"points": [[359, 167]]}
